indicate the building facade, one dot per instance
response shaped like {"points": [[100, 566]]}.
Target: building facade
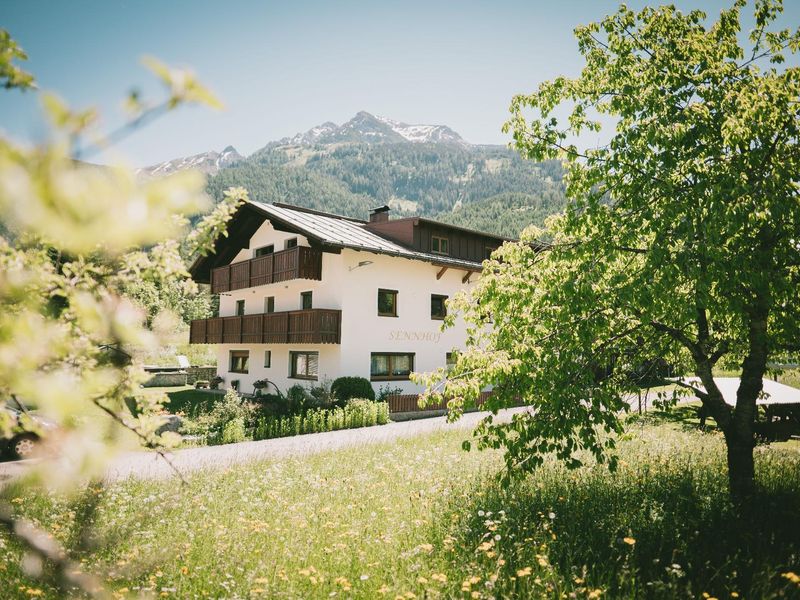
{"points": [[307, 296]]}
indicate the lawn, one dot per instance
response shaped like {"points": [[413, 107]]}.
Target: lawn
{"points": [[186, 399], [421, 518]]}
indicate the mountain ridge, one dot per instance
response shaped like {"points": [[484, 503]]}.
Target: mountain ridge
{"points": [[418, 170], [207, 162]]}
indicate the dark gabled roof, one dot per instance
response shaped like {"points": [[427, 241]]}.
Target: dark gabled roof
{"points": [[323, 230]]}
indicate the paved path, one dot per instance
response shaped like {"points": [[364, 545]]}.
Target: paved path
{"points": [[147, 465]]}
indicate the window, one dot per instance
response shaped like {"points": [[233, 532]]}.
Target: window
{"points": [[439, 245], [269, 304], [387, 303], [239, 361], [235, 384], [450, 360], [290, 243], [267, 359], [240, 308], [391, 365], [304, 365], [264, 250], [438, 306], [305, 300]]}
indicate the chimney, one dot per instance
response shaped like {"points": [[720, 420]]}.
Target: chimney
{"points": [[379, 215]]}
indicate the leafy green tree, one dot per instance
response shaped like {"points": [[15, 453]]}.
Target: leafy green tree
{"points": [[681, 239], [65, 321]]}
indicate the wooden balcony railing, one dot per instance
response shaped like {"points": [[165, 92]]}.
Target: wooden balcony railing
{"points": [[300, 262], [312, 326]]}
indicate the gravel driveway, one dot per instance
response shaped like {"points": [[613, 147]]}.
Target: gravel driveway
{"points": [[147, 465]]}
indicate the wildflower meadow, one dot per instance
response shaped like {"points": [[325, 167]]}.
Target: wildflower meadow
{"points": [[421, 518]]}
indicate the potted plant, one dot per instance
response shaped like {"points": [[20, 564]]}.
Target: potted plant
{"points": [[259, 385]]}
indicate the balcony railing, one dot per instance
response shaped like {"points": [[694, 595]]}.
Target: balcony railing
{"points": [[312, 326], [300, 262]]}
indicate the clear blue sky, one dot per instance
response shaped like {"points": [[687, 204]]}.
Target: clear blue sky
{"points": [[283, 67]]}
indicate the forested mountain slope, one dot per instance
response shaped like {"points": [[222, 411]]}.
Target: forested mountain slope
{"points": [[426, 170]]}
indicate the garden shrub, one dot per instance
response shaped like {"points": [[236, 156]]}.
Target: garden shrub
{"points": [[321, 396], [345, 388], [386, 391], [233, 431], [229, 409]]}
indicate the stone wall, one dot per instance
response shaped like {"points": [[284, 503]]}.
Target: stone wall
{"points": [[206, 373], [166, 379]]}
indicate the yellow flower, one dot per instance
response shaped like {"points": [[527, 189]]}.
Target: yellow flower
{"points": [[34, 592], [595, 594], [792, 576], [524, 572], [440, 577], [629, 540], [342, 581], [734, 594]]}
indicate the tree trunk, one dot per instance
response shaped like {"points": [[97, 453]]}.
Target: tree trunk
{"points": [[741, 468], [739, 433]]}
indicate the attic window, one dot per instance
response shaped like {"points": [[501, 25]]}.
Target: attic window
{"points": [[264, 250], [290, 243], [440, 245]]}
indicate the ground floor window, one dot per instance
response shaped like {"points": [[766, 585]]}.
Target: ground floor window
{"points": [[239, 360], [450, 360], [267, 358], [304, 365], [391, 365]]}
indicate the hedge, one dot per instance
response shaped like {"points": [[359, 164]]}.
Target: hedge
{"points": [[356, 413]]}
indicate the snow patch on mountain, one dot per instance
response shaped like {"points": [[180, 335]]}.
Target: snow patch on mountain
{"points": [[422, 134], [365, 127], [208, 162]]}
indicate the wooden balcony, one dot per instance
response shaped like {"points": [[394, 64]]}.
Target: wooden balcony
{"points": [[312, 326], [300, 262]]}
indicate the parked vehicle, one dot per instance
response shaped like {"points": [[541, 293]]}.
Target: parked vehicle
{"points": [[27, 429]]}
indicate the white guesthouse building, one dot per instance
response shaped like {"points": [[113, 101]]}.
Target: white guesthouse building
{"points": [[307, 296]]}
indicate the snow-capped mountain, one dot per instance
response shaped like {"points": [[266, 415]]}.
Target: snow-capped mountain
{"points": [[368, 128], [207, 162]]}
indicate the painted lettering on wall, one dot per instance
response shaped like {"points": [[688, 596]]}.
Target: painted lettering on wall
{"points": [[401, 335]]}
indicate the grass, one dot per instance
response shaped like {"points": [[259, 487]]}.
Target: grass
{"points": [[421, 518], [186, 399]]}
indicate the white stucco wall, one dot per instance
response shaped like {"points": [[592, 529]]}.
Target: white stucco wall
{"points": [[354, 290]]}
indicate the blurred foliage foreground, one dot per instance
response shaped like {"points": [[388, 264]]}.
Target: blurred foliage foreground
{"points": [[75, 236]]}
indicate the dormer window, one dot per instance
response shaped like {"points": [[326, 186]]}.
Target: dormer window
{"points": [[290, 243], [440, 245]]}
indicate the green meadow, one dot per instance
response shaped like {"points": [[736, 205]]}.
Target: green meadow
{"points": [[421, 518]]}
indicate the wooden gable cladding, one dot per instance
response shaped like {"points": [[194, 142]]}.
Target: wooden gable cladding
{"points": [[417, 234], [462, 244]]}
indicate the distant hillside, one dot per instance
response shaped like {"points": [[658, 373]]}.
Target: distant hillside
{"points": [[426, 170], [506, 214]]}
